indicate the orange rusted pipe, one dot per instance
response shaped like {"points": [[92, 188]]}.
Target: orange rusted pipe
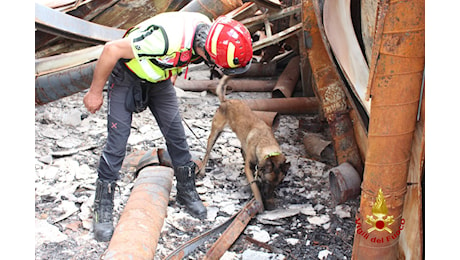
{"points": [[396, 73], [288, 79], [329, 89], [246, 85], [294, 105], [138, 230]]}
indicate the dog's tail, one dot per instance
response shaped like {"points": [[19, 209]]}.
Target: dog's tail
{"points": [[221, 87]]}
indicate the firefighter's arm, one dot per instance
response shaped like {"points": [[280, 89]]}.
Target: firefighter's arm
{"points": [[112, 52]]}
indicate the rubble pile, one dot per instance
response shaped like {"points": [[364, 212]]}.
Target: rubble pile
{"points": [[68, 141]]}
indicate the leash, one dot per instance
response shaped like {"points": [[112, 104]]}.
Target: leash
{"points": [[189, 128], [233, 228]]}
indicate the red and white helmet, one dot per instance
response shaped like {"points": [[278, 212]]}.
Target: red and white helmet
{"points": [[229, 45]]}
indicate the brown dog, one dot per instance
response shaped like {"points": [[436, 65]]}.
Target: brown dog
{"points": [[261, 152]]}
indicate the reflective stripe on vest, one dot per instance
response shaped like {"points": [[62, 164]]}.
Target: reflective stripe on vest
{"points": [[177, 41]]}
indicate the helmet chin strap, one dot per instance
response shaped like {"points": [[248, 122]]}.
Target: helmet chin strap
{"points": [[229, 71], [208, 60]]}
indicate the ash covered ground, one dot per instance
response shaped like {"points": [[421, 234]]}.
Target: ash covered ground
{"points": [[305, 225]]}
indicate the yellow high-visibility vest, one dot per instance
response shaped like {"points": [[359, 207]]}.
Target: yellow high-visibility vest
{"points": [[162, 45]]}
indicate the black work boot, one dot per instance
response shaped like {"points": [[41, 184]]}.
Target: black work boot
{"points": [[186, 190], [103, 209]]}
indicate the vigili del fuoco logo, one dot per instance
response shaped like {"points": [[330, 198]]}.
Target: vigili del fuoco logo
{"points": [[379, 222]]}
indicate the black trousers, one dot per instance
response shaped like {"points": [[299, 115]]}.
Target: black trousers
{"points": [[164, 106]]}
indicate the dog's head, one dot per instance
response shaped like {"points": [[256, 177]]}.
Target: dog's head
{"points": [[271, 172]]}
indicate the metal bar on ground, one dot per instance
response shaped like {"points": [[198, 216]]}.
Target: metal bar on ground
{"points": [[234, 230]]}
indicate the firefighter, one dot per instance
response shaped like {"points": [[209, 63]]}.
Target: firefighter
{"points": [[143, 67]]}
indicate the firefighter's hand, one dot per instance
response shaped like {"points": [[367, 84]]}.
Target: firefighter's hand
{"points": [[93, 101]]}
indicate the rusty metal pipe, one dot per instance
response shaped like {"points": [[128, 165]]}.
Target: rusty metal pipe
{"points": [[295, 105], [396, 74], [211, 8], [246, 85], [288, 79], [138, 230], [64, 83]]}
